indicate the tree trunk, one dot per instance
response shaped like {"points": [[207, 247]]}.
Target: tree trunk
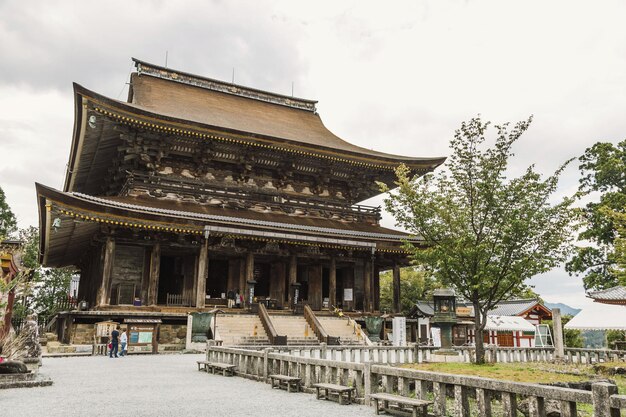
{"points": [[479, 328]]}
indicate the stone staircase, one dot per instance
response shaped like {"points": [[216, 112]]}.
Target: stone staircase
{"points": [[342, 328], [296, 329], [239, 330]]}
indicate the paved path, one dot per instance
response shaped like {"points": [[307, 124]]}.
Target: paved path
{"points": [[159, 385]]}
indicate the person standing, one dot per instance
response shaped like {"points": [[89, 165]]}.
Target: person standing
{"points": [[231, 298], [237, 299], [115, 336], [123, 342]]}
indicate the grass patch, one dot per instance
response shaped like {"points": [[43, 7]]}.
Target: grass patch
{"points": [[536, 373]]}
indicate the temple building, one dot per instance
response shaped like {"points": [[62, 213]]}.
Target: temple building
{"points": [[195, 188]]}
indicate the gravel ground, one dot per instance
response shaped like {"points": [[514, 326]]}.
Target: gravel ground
{"points": [[157, 385]]}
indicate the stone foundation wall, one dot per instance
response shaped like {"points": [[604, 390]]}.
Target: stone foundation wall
{"points": [[173, 334], [83, 334]]}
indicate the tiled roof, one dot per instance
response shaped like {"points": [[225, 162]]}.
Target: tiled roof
{"points": [[424, 308], [199, 105], [614, 293], [513, 307]]}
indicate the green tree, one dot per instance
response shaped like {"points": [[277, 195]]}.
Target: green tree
{"points": [[485, 234], [603, 169], [613, 336], [572, 338], [415, 284], [46, 287], [8, 223]]}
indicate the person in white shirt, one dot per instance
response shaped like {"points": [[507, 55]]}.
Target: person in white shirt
{"points": [[123, 342]]}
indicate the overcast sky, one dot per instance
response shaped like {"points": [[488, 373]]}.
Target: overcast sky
{"points": [[397, 77]]}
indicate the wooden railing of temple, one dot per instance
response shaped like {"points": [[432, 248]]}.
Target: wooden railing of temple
{"points": [[319, 331], [275, 338], [195, 188], [544, 354], [417, 354], [356, 354], [178, 300], [368, 378]]}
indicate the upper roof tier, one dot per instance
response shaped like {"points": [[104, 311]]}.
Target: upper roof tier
{"points": [[189, 97], [175, 103]]}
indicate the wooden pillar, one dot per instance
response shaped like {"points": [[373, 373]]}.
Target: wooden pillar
{"points": [[376, 287], [293, 275], [242, 277], [104, 293], [155, 269], [332, 283], [203, 268], [367, 287], [396, 288], [315, 287]]}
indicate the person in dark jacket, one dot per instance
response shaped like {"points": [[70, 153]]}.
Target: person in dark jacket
{"points": [[115, 339]]}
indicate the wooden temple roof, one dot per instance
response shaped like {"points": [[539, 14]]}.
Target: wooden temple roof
{"points": [[174, 103], [80, 217], [183, 100]]}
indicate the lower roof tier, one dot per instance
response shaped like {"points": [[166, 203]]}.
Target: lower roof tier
{"points": [[70, 221]]}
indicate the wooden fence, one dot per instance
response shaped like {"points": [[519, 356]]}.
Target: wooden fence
{"points": [[454, 394], [178, 300], [418, 354]]}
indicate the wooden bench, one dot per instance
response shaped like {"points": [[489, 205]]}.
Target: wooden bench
{"points": [[202, 365], [285, 380], [403, 404], [226, 368], [335, 389]]}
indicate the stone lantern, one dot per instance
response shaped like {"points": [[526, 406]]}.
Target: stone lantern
{"points": [[445, 317]]}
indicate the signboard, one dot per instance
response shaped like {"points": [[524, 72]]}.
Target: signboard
{"points": [[463, 311], [145, 337], [142, 338], [347, 294], [435, 334], [399, 331], [104, 328]]}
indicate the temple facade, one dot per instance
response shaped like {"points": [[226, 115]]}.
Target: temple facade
{"points": [[195, 188]]}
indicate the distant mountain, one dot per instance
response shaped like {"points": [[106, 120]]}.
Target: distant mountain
{"points": [[565, 309]]}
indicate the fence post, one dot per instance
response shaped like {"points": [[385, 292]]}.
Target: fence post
{"points": [[559, 346], [416, 353], [266, 363], [602, 392], [367, 381], [323, 350]]}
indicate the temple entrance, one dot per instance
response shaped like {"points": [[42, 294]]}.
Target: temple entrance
{"points": [[176, 280], [303, 280], [217, 281], [262, 277]]}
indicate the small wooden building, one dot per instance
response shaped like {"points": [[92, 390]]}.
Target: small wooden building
{"points": [[9, 268], [500, 330], [194, 188]]}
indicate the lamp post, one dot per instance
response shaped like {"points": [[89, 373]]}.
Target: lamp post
{"points": [[445, 317]]}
